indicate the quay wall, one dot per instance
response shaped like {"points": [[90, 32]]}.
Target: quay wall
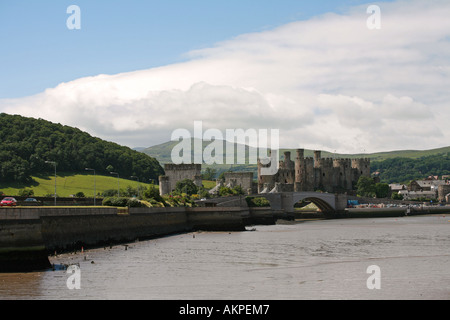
{"points": [[21, 246], [29, 235]]}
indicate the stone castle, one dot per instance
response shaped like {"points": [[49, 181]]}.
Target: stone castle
{"points": [[303, 174], [312, 174], [175, 173]]}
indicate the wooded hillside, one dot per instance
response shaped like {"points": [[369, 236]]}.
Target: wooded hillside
{"points": [[26, 143]]}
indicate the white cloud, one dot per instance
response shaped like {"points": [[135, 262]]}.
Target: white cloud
{"points": [[327, 83]]}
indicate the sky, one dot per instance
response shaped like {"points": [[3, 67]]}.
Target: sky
{"points": [[138, 70]]}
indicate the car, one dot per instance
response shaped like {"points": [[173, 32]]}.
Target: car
{"points": [[8, 202], [30, 200]]}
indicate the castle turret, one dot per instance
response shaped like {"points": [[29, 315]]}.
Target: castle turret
{"points": [[164, 185], [300, 165], [300, 154], [362, 165], [317, 157], [288, 163]]}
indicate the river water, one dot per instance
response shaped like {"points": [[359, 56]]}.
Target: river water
{"points": [[326, 259]]}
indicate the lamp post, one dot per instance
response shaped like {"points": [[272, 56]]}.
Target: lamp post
{"points": [[137, 179], [54, 163], [95, 187], [118, 184]]}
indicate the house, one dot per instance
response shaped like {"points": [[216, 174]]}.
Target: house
{"points": [[395, 187], [425, 185], [412, 195]]}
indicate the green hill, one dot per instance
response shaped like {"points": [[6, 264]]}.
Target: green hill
{"points": [[420, 163], [68, 184], [162, 152], [28, 144]]}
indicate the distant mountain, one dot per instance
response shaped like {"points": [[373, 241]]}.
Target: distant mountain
{"points": [[163, 152], [27, 143]]}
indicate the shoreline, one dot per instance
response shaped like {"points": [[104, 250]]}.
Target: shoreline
{"points": [[28, 236]]}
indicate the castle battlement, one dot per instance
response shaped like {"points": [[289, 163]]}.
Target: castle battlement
{"points": [[182, 167], [317, 173]]}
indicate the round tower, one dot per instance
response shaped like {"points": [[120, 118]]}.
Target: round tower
{"points": [[362, 166], [317, 157], [164, 185]]}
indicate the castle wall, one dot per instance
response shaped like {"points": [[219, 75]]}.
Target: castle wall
{"points": [[309, 179], [317, 173], [343, 174], [175, 173], [243, 179], [443, 191]]}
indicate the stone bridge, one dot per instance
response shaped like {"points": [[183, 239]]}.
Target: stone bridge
{"points": [[326, 202]]}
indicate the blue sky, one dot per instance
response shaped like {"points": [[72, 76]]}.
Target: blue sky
{"points": [[39, 52], [138, 70]]}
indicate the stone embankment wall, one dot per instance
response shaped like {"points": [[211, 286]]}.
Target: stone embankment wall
{"points": [[28, 235]]}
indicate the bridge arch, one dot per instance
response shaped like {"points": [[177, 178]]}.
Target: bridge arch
{"points": [[326, 202], [323, 205]]}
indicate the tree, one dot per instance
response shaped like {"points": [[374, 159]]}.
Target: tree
{"points": [[222, 175], [237, 190], [382, 190], [225, 191], [152, 193], [27, 143], [186, 186], [25, 193], [365, 187], [396, 196], [109, 193], [204, 193], [209, 174], [257, 202]]}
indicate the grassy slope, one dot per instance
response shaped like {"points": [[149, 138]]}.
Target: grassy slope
{"points": [[70, 184]]}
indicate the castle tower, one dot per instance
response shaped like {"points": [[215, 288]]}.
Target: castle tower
{"points": [[362, 165], [288, 163], [164, 185], [265, 182], [300, 170], [317, 157], [326, 175], [300, 166], [343, 172], [175, 173]]}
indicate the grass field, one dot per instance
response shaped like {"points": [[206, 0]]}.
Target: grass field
{"points": [[70, 184], [209, 184]]}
